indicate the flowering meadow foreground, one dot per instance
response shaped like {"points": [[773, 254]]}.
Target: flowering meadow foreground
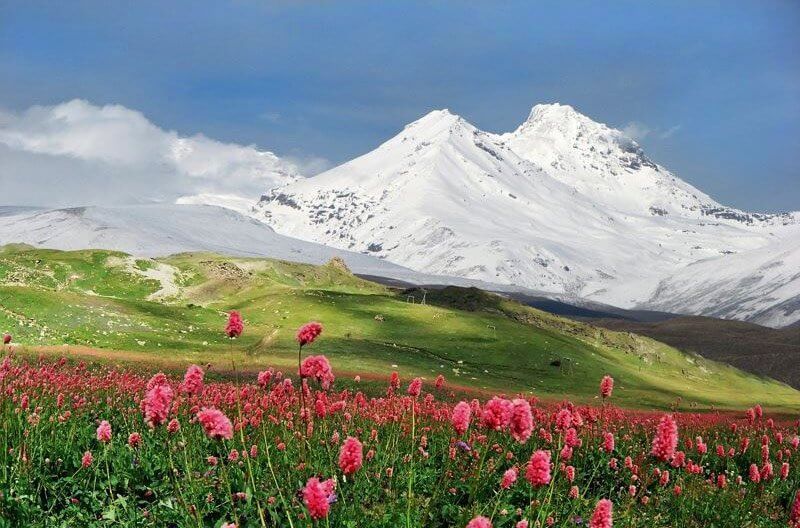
{"points": [[99, 446]]}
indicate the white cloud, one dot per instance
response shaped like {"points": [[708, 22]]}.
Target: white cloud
{"points": [[76, 153], [668, 133], [638, 131], [310, 166]]}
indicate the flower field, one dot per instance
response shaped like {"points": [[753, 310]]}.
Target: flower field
{"points": [[90, 445]]}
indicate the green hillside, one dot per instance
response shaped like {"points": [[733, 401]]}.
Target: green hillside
{"points": [[171, 311]]}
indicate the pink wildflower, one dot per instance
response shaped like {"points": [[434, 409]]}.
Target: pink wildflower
{"points": [[215, 423], [461, 417], [608, 442], [563, 419], [794, 516], [193, 380], [521, 420], [350, 456], [6, 339], [235, 326], [755, 475], [317, 497], [264, 377], [415, 387], [104, 432], [496, 413], [509, 478], [134, 440], [666, 439], [158, 379], [601, 518], [173, 426], [319, 368], [538, 469], [606, 386], [480, 522], [156, 404], [308, 333], [87, 459]]}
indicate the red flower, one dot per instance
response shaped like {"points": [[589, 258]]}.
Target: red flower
{"points": [[521, 420], [87, 459], [317, 497], [608, 442], [104, 432], [538, 470], [134, 440], [173, 426], [666, 439], [497, 413], [264, 377], [480, 522], [319, 368], [755, 475], [215, 423], [308, 333], [6, 339], [415, 387], [460, 418], [193, 380], [509, 478], [156, 404], [350, 456], [601, 518], [606, 386], [235, 326], [794, 516]]}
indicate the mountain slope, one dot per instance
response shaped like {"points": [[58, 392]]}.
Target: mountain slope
{"points": [[754, 348], [762, 285], [160, 230], [563, 205], [107, 305]]}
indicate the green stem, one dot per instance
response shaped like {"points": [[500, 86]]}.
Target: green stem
{"points": [[410, 492], [275, 480]]}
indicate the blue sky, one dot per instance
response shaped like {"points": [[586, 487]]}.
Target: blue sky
{"points": [[713, 88]]}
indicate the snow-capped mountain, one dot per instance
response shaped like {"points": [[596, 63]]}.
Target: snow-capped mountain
{"points": [[761, 286], [562, 204], [165, 229]]}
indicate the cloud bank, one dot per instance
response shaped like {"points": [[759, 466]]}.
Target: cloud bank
{"points": [[76, 153]]}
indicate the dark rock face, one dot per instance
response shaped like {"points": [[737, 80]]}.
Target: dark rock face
{"points": [[727, 213], [281, 198]]}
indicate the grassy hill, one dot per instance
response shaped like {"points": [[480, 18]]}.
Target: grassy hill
{"points": [[772, 352], [171, 311]]}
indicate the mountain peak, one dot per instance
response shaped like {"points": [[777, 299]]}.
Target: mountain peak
{"points": [[559, 116], [437, 124], [434, 118], [551, 109]]}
